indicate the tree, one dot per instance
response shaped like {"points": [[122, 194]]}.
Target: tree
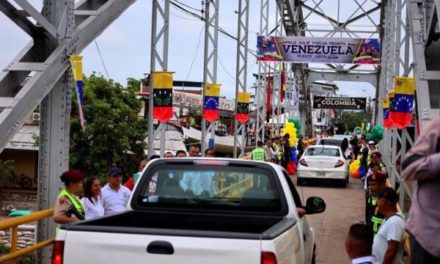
{"points": [[114, 134], [352, 119]]}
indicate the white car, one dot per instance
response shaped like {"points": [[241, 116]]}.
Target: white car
{"points": [[323, 162]]}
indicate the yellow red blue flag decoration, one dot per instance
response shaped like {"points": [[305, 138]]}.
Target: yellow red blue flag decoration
{"points": [[211, 101], [162, 95], [76, 64], [243, 107], [404, 88], [387, 122]]}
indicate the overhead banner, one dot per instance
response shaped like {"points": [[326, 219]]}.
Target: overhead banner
{"points": [[355, 103], [318, 50]]}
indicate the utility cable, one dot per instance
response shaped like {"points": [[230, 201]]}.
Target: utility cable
{"points": [[221, 30], [102, 60], [195, 55]]}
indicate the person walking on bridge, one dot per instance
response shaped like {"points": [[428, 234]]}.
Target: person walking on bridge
{"points": [[422, 164], [388, 242]]}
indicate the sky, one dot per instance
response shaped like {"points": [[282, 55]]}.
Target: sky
{"points": [[123, 49]]}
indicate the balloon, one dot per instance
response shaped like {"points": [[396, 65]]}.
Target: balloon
{"points": [[291, 167], [353, 168], [294, 155], [297, 124], [376, 134], [355, 174], [289, 128]]}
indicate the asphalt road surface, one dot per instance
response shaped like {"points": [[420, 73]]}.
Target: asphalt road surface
{"points": [[345, 206]]}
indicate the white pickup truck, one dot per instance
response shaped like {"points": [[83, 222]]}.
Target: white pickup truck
{"points": [[199, 211]]}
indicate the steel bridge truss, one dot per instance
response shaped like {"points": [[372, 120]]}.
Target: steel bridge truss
{"points": [[210, 62], [159, 55], [241, 72], [39, 74], [409, 27]]}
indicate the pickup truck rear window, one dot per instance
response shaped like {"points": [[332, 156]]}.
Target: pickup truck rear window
{"points": [[210, 187]]}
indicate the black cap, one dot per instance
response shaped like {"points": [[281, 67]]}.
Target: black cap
{"points": [[114, 171], [389, 194]]}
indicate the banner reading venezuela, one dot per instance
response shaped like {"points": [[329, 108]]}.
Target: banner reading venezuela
{"points": [[162, 95], [318, 50], [243, 99], [211, 102], [404, 89]]}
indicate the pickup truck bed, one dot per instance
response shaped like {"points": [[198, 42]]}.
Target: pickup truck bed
{"points": [[189, 224], [190, 211]]}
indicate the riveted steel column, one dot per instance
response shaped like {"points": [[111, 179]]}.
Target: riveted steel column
{"points": [[241, 72], [55, 122], [210, 61], [159, 54], [263, 68]]}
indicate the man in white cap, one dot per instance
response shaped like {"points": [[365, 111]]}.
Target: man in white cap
{"points": [[371, 146]]}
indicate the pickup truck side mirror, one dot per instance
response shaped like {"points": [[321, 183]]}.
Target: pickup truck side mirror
{"points": [[315, 205]]}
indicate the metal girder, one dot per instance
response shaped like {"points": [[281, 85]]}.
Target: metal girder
{"points": [[28, 92], [425, 46], [276, 103], [210, 61], [19, 18], [159, 35], [241, 72], [40, 19], [294, 24], [313, 76], [263, 70], [38, 74]]}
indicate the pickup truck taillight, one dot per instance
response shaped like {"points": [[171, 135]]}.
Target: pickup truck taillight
{"points": [[268, 258], [58, 252]]}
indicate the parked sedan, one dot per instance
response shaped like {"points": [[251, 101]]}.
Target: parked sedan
{"points": [[323, 162]]}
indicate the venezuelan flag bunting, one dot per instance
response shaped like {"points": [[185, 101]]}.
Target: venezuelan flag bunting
{"points": [[77, 69], [211, 101], [243, 107], [162, 95], [283, 82], [387, 122], [403, 102], [268, 94]]}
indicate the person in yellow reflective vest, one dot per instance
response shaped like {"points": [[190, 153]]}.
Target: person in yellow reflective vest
{"points": [[277, 148], [258, 153], [68, 207], [373, 218]]}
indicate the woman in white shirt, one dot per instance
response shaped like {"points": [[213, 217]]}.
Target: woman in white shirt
{"points": [[92, 200]]}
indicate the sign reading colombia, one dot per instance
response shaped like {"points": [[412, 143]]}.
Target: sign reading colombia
{"points": [[339, 102], [318, 50]]}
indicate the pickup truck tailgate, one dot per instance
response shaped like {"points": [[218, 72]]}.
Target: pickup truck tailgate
{"points": [[96, 247]]}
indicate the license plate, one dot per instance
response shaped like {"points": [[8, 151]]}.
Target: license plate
{"points": [[320, 174]]}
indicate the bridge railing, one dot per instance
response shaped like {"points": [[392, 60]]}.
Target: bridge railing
{"points": [[13, 224]]}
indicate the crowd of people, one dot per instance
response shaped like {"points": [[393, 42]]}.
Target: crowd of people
{"points": [[79, 201], [379, 239]]}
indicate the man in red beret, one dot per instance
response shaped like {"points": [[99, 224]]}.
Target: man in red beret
{"points": [[68, 207]]}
